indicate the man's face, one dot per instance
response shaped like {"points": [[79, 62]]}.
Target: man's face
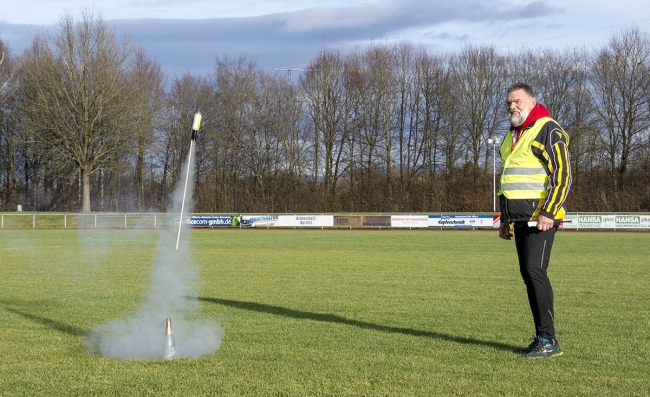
{"points": [[519, 105]]}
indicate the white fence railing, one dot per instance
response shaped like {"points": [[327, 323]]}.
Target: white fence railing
{"points": [[46, 220]]}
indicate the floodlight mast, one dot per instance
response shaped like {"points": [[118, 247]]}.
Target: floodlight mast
{"points": [[195, 128], [494, 142]]}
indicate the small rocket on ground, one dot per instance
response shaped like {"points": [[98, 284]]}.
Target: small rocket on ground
{"points": [[169, 344]]}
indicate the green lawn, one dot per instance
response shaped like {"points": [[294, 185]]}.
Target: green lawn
{"points": [[328, 312]]}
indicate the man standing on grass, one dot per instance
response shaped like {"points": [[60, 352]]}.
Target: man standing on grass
{"points": [[534, 185]]}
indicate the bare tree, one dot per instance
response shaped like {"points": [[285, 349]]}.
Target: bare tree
{"points": [[620, 82], [277, 141], [573, 109], [294, 145], [77, 102], [433, 104], [323, 87], [145, 76], [410, 134], [480, 75], [7, 67], [9, 126], [406, 148], [370, 92], [187, 95], [234, 114]]}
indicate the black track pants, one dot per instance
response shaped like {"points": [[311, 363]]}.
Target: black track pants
{"points": [[534, 251]]}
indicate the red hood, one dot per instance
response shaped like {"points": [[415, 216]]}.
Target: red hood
{"points": [[536, 113]]}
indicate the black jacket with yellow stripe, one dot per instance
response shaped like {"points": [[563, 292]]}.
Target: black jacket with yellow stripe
{"points": [[536, 175]]}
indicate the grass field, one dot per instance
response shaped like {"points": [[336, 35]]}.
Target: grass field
{"points": [[329, 312]]}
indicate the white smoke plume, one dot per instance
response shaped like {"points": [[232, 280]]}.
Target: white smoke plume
{"points": [[173, 279]]}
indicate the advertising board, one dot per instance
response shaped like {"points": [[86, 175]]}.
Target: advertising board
{"points": [[305, 221], [461, 221], [205, 221], [409, 221]]}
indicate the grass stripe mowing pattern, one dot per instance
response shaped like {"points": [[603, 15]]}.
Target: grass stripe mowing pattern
{"points": [[330, 312]]}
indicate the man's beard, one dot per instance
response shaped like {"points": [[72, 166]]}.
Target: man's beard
{"points": [[517, 118]]}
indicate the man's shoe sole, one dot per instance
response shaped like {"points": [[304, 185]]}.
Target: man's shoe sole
{"points": [[548, 356]]}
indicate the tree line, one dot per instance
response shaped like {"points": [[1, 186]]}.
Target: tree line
{"points": [[90, 123]]}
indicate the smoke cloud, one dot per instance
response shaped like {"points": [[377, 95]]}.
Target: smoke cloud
{"points": [[174, 277]]}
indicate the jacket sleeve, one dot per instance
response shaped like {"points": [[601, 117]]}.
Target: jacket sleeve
{"points": [[552, 147]]}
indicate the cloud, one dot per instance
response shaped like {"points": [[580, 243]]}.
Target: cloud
{"points": [[296, 37], [317, 19], [391, 16], [18, 36]]}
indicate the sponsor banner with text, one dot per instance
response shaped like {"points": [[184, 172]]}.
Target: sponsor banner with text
{"points": [[348, 220], [461, 221], [305, 221], [409, 221], [376, 220], [609, 221], [632, 221], [205, 221], [258, 220], [588, 221]]}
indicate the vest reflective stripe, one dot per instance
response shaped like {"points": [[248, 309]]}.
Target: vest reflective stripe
{"points": [[524, 171], [524, 175], [523, 186]]}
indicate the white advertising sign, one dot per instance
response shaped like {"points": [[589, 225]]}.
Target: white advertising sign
{"points": [[305, 221], [472, 221], [409, 221]]}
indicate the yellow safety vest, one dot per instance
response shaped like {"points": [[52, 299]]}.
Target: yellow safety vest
{"points": [[524, 175]]}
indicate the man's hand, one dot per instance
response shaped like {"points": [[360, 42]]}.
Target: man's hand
{"points": [[544, 223], [504, 231]]}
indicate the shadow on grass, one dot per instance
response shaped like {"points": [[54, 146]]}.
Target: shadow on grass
{"points": [[332, 318], [57, 325]]}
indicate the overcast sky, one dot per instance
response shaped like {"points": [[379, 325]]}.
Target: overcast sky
{"points": [[186, 36]]}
